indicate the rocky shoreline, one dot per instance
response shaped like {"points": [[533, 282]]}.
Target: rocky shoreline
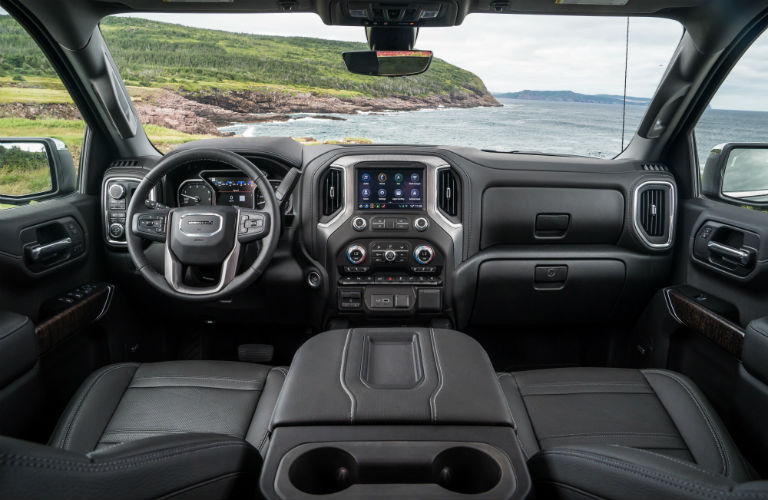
{"points": [[204, 113]]}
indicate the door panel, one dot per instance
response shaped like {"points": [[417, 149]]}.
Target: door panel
{"points": [[725, 292]]}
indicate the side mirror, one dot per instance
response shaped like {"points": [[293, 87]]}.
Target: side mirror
{"points": [[34, 169], [737, 173], [388, 62]]}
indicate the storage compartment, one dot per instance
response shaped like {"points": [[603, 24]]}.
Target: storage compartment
{"points": [[525, 215], [547, 292], [376, 469]]}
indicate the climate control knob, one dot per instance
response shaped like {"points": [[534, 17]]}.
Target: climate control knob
{"points": [[390, 255], [356, 254], [424, 254], [116, 191]]}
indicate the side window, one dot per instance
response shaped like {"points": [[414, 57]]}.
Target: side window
{"points": [[732, 134], [41, 130]]}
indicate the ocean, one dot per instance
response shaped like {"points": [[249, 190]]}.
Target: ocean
{"points": [[584, 129]]}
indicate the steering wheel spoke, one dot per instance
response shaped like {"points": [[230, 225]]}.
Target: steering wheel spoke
{"points": [[175, 269], [253, 225], [151, 223]]}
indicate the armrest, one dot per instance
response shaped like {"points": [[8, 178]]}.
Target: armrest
{"points": [[755, 350], [623, 473], [18, 346], [196, 465]]}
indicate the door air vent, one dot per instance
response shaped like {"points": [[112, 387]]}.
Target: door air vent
{"points": [[333, 189], [655, 167], [654, 213], [124, 163], [447, 192]]}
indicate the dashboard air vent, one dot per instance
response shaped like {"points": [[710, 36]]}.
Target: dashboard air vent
{"points": [[124, 163], [653, 211], [333, 189], [447, 192], [655, 167]]}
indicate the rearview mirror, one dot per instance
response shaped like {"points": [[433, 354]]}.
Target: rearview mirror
{"points": [[737, 173], [388, 62], [34, 169]]}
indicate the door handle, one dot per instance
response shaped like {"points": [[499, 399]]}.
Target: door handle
{"points": [[40, 252], [741, 255]]}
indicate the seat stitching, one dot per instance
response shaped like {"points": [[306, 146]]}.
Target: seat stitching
{"points": [[174, 377], [162, 431], [672, 481], [107, 466], [433, 396], [527, 412], [266, 429], [707, 418], [197, 386], [342, 370], [547, 384], [64, 440], [583, 434], [499, 376], [671, 459]]}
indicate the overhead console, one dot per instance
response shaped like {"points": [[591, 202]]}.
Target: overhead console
{"points": [[416, 410], [394, 13]]}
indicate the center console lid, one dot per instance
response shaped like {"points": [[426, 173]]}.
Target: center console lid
{"points": [[401, 376], [393, 414]]}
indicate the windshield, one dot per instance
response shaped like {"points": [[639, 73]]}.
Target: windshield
{"points": [[539, 83]]}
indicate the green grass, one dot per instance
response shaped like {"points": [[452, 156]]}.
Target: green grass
{"points": [[154, 54]]}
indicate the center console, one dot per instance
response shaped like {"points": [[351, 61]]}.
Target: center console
{"points": [[393, 413], [390, 247]]}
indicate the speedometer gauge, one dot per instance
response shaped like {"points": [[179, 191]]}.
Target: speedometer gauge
{"points": [[195, 193]]}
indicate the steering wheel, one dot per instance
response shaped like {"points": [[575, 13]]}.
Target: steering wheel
{"points": [[202, 235]]}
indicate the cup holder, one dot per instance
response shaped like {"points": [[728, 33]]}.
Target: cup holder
{"points": [[465, 470], [328, 470], [323, 471]]}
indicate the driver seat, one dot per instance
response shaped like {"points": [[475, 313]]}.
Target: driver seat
{"points": [[131, 401], [179, 429]]}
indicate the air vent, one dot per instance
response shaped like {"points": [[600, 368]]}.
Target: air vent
{"points": [[332, 191], [655, 167], [124, 163], [447, 192], [654, 213]]}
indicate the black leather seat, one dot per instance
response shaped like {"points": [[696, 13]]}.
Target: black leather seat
{"points": [[130, 401], [624, 434], [182, 428]]}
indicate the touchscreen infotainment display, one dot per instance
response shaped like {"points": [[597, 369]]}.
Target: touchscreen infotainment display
{"points": [[387, 188]]}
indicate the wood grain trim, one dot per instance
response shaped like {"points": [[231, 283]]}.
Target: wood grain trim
{"points": [[64, 324], [716, 328]]}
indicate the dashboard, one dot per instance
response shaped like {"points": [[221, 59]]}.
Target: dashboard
{"points": [[415, 234]]}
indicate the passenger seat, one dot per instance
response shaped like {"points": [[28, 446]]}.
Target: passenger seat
{"points": [[605, 433]]}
